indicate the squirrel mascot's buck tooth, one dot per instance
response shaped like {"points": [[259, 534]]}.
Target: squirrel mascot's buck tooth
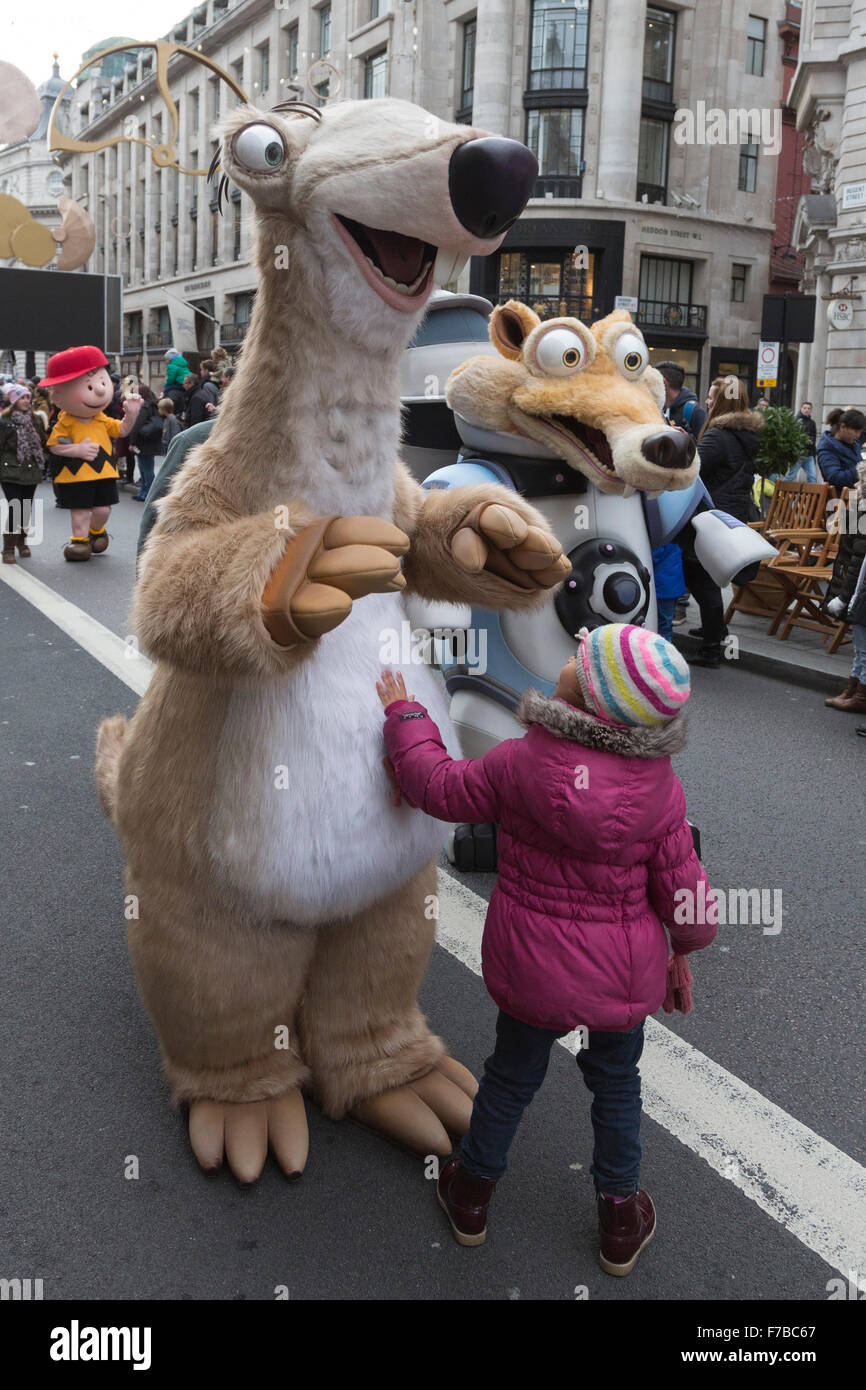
{"points": [[282, 895]]}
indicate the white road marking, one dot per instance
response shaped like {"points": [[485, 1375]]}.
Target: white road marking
{"points": [[811, 1188], [111, 651], [806, 1184]]}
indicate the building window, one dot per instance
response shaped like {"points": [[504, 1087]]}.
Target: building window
{"points": [[215, 98], [555, 137], [756, 43], [660, 29], [467, 73], [748, 168], [193, 113], [292, 51], [243, 310], [376, 75], [557, 58], [378, 8], [652, 160], [665, 291], [739, 276], [549, 282], [214, 236], [236, 208], [237, 71], [264, 57], [324, 31]]}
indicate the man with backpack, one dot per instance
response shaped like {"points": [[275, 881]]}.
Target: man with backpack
{"points": [[681, 405]]}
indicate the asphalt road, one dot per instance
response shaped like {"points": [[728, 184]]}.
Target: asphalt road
{"points": [[772, 779]]}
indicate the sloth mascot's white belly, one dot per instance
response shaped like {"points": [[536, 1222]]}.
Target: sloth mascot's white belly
{"points": [[304, 822]]}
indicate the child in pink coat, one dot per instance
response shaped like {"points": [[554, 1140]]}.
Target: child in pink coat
{"points": [[595, 859]]}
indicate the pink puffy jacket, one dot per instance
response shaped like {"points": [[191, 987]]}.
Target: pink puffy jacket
{"points": [[593, 845]]}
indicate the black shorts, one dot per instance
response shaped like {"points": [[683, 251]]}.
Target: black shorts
{"points": [[84, 496]]}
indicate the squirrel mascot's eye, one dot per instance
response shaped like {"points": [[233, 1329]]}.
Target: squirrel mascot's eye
{"points": [[630, 354], [561, 352], [259, 149]]}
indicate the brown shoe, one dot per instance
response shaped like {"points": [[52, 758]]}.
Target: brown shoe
{"points": [[465, 1199], [624, 1228], [23, 547], [856, 704], [833, 700], [77, 549], [8, 547], [98, 541]]}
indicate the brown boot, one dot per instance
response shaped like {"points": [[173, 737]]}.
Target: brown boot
{"points": [[464, 1199], [9, 547], [23, 547], [98, 541], [77, 549], [857, 702], [833, 700], [624, 1228]]}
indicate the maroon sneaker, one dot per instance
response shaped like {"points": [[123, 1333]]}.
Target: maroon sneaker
{"points": [[624, 1229], [464, 1199]]}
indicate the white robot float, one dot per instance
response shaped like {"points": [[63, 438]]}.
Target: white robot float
{"points": [[569, 416]]}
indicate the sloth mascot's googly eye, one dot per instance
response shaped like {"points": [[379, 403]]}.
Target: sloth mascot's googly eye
{"points": [[259, 149], [631, 354], [561, 352]]}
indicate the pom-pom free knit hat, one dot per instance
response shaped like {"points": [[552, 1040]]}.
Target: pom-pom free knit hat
{"points": [[630, 676]]}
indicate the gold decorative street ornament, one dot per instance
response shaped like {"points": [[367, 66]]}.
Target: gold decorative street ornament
{"points": [[164, 153]]}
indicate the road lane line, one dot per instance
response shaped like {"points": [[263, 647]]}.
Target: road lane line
{"points": [[811, 1188], [117, 656], [814, 1190]]}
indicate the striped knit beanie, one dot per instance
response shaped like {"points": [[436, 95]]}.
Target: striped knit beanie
{"points": [[630, 676]]}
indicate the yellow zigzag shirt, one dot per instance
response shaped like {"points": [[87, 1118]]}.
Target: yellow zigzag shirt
{"points": [[102, 430]]}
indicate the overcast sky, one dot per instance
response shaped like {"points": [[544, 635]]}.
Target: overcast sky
{"points": [[29, 37]]}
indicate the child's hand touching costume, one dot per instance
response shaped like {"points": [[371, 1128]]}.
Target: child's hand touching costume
{"points": [[391, 688]]}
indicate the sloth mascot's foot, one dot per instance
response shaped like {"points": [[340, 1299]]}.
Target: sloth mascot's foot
{"points": [[244, 1130], [420, 1115]]}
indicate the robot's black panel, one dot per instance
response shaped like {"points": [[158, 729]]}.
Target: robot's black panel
{"points": [[607, 584]]}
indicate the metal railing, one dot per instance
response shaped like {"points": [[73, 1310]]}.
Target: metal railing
{"points": [[558, 186], [655, 193], [233, 332], [666, 313]]}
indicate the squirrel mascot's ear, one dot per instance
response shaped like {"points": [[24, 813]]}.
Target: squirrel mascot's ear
{"points": [[510, 325]]}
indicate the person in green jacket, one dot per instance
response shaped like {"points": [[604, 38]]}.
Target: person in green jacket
{"points": [[177, 369], [22, 458]]}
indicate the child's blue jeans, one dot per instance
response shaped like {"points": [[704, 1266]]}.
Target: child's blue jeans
{"points": [[666, 609], [515, 1071]]}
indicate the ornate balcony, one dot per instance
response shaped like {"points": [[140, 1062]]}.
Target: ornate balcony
{"points": [[662, 313]]}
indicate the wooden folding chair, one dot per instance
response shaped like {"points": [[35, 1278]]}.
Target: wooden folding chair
{"points": [[795, 523], [808, 588]]}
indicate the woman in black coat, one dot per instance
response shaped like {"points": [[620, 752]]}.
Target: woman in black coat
{"points": [[145, 441], [727, 446]]}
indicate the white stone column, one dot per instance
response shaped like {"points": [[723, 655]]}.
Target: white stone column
{"points": [[493, 65], [816, 389], [620, 104]]}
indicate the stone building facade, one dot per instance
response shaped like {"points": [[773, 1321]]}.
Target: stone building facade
{"points": [[654, 126], [673, 206], [829, 93]]}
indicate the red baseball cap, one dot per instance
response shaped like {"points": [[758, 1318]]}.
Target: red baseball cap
{"points": [[72, 362]]}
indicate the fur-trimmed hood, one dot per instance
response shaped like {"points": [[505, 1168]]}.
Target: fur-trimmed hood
{"points": [[739, 420], [575, 725]]}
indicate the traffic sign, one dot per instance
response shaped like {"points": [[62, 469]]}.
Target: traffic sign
{"points": [[768, 364]]}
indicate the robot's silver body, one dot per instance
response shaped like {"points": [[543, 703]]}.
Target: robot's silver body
{"points": [[490, 659]]}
